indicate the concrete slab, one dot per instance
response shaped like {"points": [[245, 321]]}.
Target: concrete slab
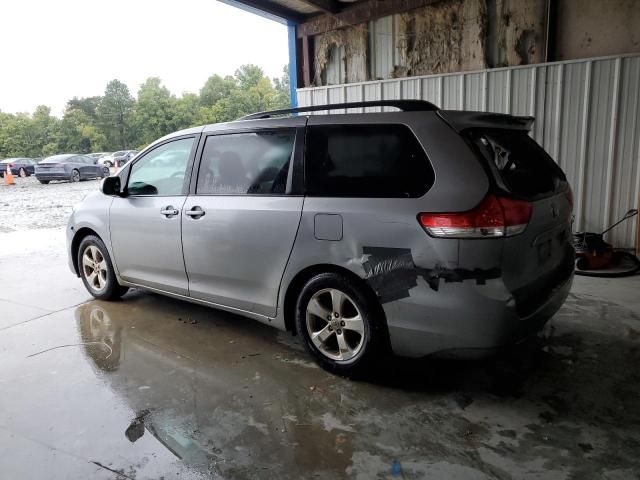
{"points": [[13, 312], [149, 387], [34, 265]]}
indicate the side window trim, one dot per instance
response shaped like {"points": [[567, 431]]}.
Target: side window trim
{"points": [[187, 173], [294, 175]]}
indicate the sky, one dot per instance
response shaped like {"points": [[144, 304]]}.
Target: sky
{"points": [[53, 50]]}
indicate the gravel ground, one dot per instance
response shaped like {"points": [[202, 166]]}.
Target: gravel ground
{"points": [[29, 205]]}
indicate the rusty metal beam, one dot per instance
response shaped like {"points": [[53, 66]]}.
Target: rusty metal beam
{"points": [[306, 62], [360, 12]]}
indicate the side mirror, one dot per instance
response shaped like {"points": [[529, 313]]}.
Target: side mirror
{"points": [[111, 186]]}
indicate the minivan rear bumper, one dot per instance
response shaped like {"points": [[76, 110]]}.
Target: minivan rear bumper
{"points": [[470, 321]]}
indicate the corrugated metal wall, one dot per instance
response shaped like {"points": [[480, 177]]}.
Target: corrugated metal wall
{"points": [[587, 117]]}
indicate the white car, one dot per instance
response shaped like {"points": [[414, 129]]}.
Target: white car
{"points": [[106, 159]]}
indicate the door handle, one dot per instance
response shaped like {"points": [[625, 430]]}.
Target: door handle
{"points": [[169, 211], [195, 212]]}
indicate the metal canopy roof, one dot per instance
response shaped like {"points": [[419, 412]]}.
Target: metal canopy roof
{"points": [[291, 11]]}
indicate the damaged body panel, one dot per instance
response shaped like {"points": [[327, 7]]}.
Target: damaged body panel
{"points": [[438, 295]]}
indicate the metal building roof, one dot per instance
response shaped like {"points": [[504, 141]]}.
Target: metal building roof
{"points": [[295, 11]]}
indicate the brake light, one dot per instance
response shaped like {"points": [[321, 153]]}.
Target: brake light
{"points": [[494, 217], [569, 194]]}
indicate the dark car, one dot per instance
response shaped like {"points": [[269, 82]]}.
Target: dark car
{"points": [[19, 166], [70, 167]]}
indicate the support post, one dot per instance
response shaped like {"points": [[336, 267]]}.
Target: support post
{"points": [[293, 65]]}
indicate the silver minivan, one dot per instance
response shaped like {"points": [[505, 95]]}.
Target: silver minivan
{"points": [[420, 231]]}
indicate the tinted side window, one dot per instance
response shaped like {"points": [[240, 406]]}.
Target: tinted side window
{"points": [[366, 161], [246, 163], [162, 170]]}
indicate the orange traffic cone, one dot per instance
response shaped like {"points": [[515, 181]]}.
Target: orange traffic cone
{"points": [[8, 177]]}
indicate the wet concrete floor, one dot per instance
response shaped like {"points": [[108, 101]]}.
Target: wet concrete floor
{"points": [[149, 387]]}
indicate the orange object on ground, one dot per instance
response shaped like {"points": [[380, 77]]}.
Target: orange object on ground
{"points": [[8, 177]]}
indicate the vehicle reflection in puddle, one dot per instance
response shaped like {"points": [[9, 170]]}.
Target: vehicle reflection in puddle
{"points": [[218, 391], [231, 397]]}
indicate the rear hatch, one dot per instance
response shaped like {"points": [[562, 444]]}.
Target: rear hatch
{"points": [[539, 258]]}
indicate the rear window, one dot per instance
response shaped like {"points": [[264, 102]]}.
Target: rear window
{"points": [[366, 161], [518, 163], [56, 159]]}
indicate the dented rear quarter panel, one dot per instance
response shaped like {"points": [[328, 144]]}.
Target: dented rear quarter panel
{"points": [[436, 293]]}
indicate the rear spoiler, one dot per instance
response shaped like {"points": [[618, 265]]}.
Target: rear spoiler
{"points": [[460, 121]]}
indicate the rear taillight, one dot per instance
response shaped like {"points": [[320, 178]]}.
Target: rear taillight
{"points": [[494, 217], [569, 194]]}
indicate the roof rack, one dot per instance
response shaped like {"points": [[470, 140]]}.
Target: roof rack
{"points": [[403, 105]]}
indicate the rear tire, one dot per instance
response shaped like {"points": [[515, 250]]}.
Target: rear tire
{"points": [[341, 324], [44, 182], [96, 270], [23, 173], [75, 176]]}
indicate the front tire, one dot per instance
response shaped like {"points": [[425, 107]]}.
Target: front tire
{"points": [[44, 182], [75, 176], [341, 324], [23, 173], [96, 270]]}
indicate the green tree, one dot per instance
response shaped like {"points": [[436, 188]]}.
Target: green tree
{"points": [[44, 127], [114, 113], [18, 136], [283, 93], [186, 111], [248, 76], [117, 120], [89, 105], [77, 134], [253, 92], [154, 112], [215, 89]]}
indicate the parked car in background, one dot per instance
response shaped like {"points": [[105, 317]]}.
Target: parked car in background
{"points": [[70, 167], [22, 167], [98, 155], [427, 231], [122, 157], [107, 160]]}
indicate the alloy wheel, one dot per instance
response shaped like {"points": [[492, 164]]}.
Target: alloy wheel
{"points": [[94, 268], [75, 176], [335, 324], [22, 173]]}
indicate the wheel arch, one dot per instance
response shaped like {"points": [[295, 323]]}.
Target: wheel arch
{"points": [[80, 235], [303, 276]]}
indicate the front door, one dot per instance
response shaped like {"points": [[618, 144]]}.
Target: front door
{"points": [[146, 224], [240, 223]]}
